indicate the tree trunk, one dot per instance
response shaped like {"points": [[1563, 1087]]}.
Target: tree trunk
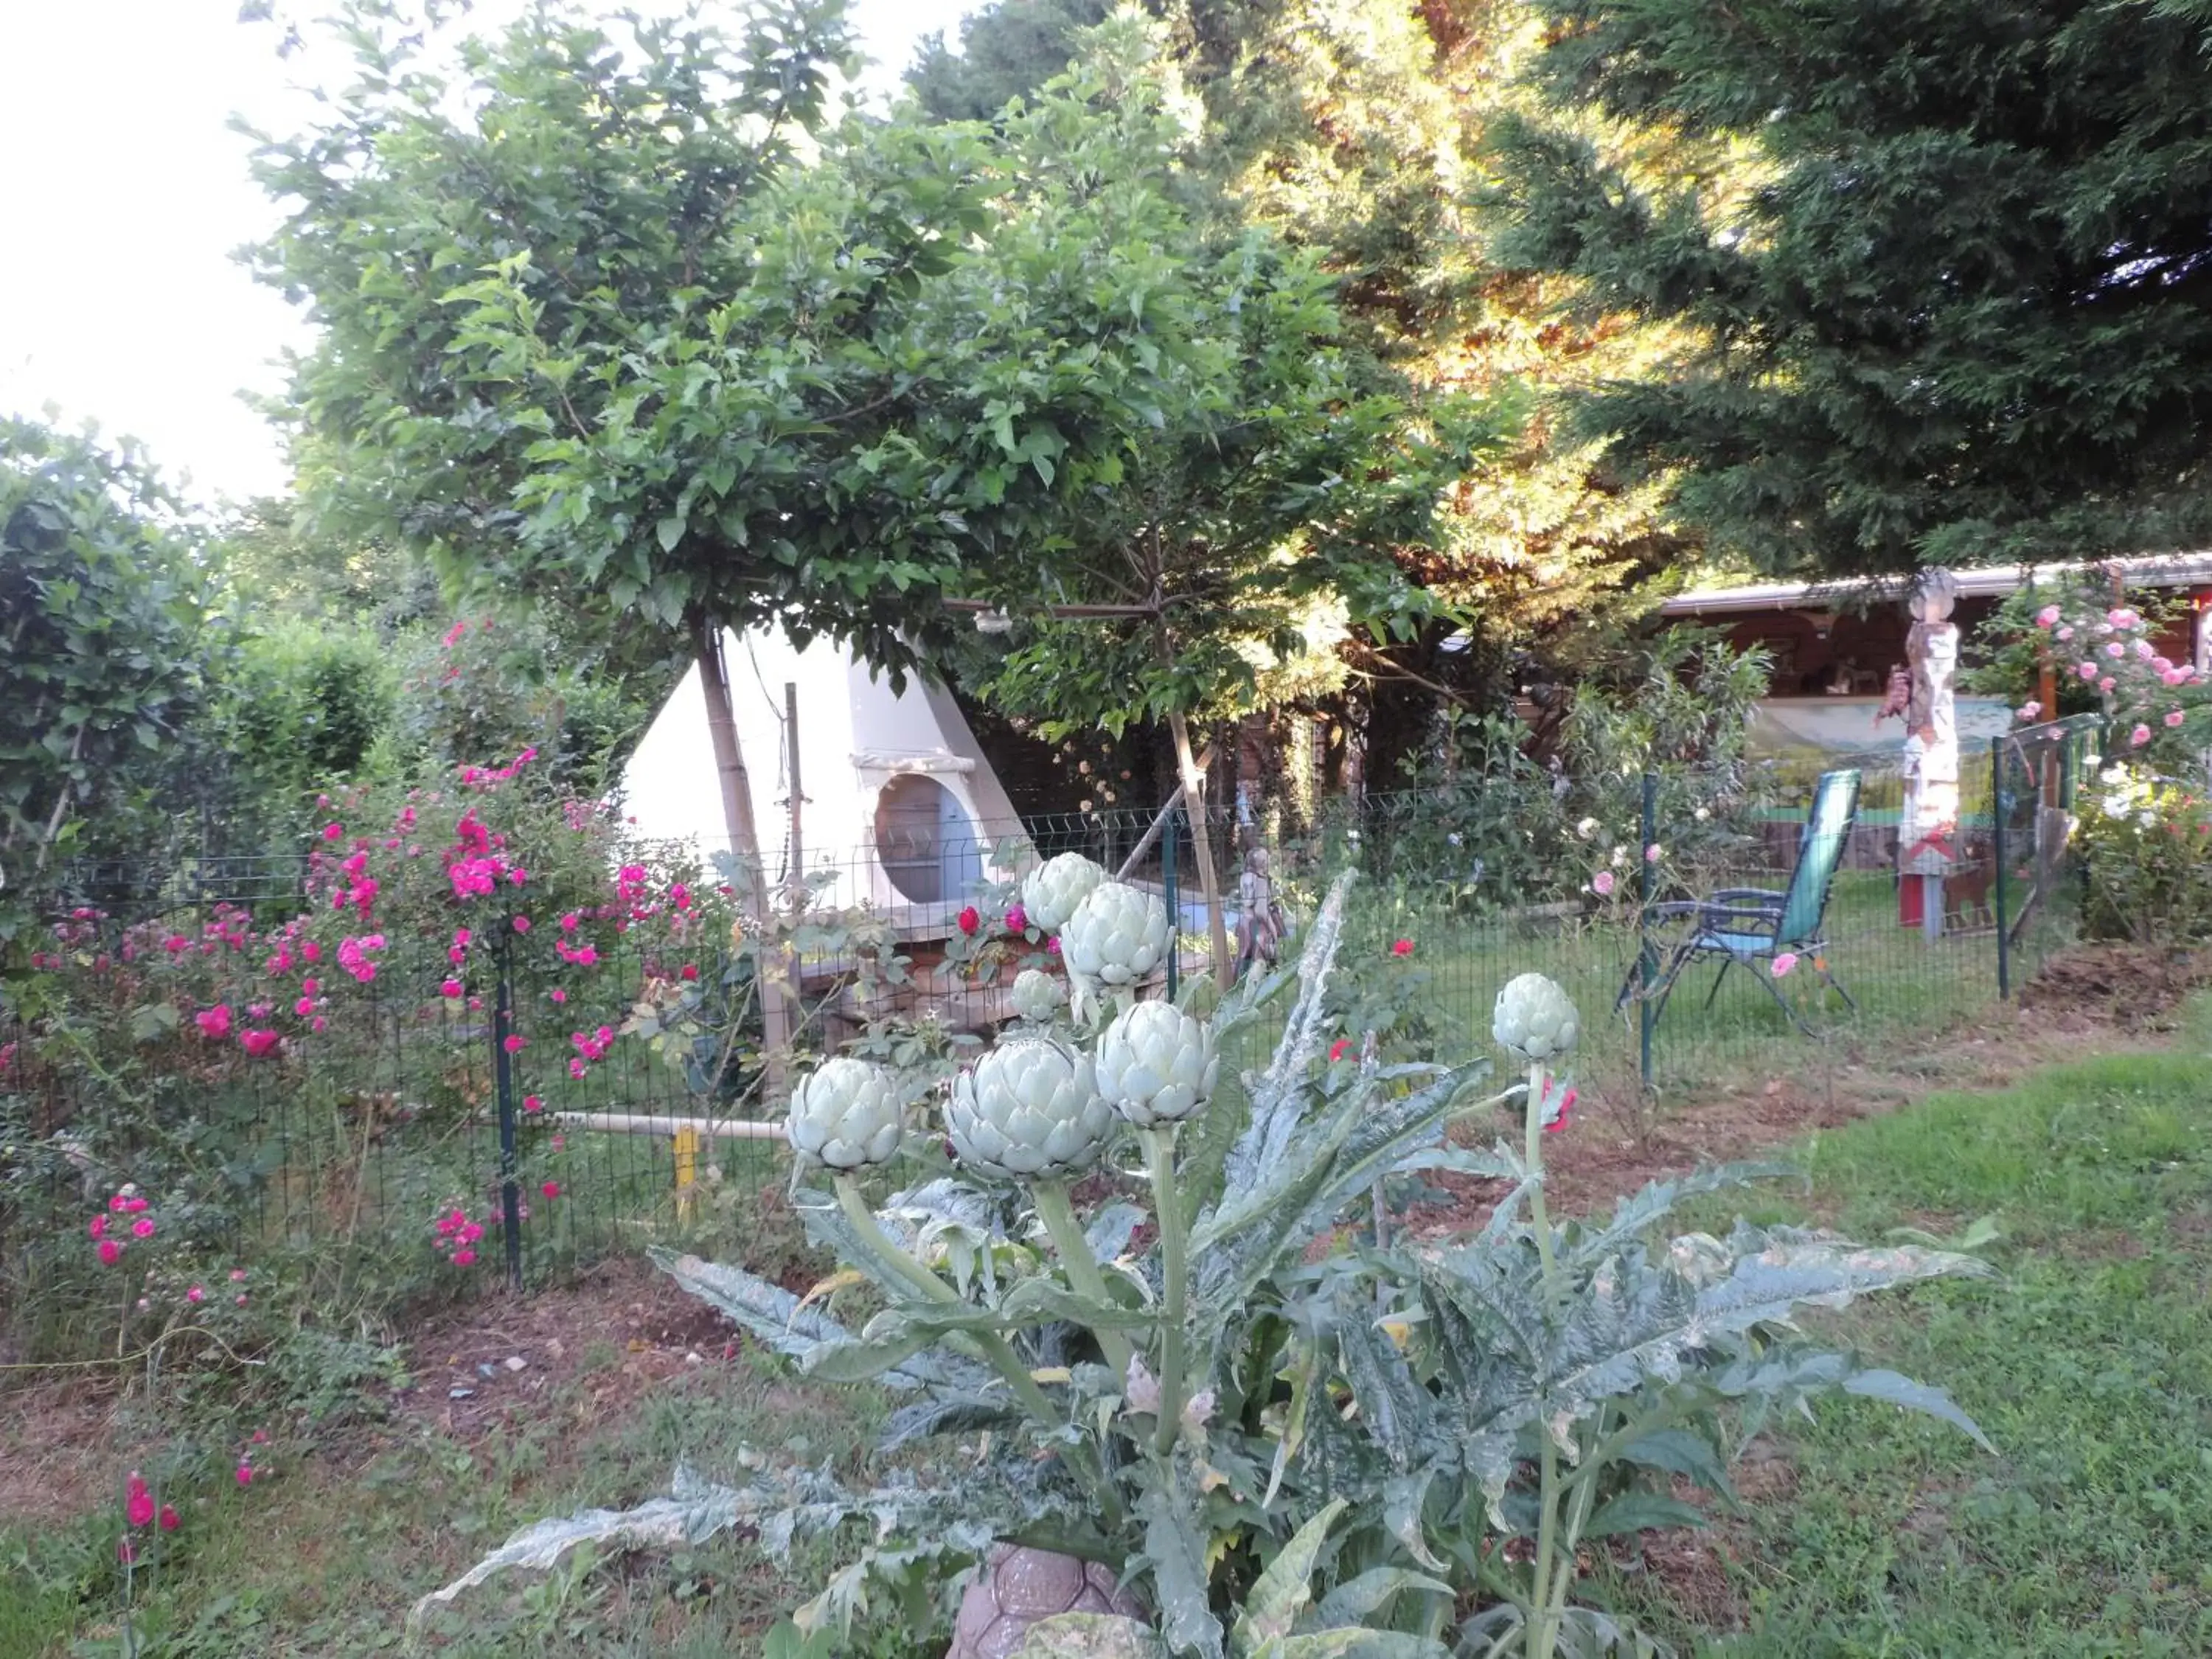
{"points": [[770, 955], [1202, 842]]}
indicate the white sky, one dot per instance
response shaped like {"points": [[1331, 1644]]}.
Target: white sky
{"points": [[124, 195]]}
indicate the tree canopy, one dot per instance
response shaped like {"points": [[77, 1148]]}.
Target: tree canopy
{"points": [[1355, 131], [1952, 295], [103, 607]]}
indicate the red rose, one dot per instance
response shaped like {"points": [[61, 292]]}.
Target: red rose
{"points": [[968, 921], [1404, 947]]}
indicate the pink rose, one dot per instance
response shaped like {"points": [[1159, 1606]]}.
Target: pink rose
{"points": [[1601, 884], [2140, 736], [2174, 717], [2046, 617], [1782, 964]]}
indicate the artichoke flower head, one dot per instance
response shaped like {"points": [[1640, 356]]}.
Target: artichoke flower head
{"points": [[1535, 1020], [1029, 1109], [1157, 1064], [845, 1114]]}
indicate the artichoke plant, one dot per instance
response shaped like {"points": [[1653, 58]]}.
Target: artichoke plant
{"points": [[1157, 1064], [1184, 1390], [845, 1114], [1029, 1108], [1051, 892]]}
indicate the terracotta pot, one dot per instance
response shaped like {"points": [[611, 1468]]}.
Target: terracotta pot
{"points": [[1019, 1586]]}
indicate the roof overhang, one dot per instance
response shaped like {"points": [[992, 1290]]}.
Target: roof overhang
{"points": [[2142, 570]]}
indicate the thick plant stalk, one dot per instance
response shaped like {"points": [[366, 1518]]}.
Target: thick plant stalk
{"points": [[1174, 1283], [1533, 1155], [994, 1347], [738, 823], [1548, 1580], [1058, 1215]]}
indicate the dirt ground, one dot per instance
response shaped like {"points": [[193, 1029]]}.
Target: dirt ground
{"points": [[477, 1365]]}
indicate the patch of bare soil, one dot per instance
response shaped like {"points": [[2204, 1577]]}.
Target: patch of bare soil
{"points": [[63, 1445], [2093, 1000], [2131, 985], [616, 1333]]}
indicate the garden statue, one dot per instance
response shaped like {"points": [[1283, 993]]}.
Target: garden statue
{"points": [[1923, 695], [1259, 913]]}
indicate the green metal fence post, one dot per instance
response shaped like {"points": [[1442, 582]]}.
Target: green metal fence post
{"points": [[1998, 852], [502, 1071], [1175, 905], [1644, 965]]}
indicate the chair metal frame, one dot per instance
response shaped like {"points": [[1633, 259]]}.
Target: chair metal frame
{"points": [[1745, 926]]}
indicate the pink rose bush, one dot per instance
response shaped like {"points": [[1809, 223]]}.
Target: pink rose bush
{"points": [[420, 899], [2141, 692]]}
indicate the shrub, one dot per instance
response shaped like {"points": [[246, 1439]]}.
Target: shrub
{"points": [[2156, 712], [2146, 850], [1495, 823]]}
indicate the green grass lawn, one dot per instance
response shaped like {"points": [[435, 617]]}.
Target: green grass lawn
{"points": [[2088, 1362]]}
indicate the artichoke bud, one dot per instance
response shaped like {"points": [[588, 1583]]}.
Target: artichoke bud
{"points": [[1536, 1019], [1028, 1110], [1157, 1064], [1051, 890], [845, 1114], [1037, 996], [1116, 936]]}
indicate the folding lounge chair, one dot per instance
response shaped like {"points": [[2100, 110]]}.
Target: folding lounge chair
{"points": [[1751, 927]]}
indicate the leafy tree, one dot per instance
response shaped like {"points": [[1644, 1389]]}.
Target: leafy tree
{"points": [[103, 611], [1952, 302], [592, 325], [1357, 131], [1183, 460], [1008, 50]]}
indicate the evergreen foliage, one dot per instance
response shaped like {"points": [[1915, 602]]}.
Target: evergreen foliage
{"points": [[1946, 265]]}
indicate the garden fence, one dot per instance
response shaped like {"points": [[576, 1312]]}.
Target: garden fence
{"points": [[419, 1107]]}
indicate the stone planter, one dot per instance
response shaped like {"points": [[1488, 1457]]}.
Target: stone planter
{"points": [[1019, 1586]]}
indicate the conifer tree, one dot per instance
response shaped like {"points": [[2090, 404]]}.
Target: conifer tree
{"points": [[1955, 302]]}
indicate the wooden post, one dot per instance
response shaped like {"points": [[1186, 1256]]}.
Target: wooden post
{"points": [[744, 846], [1201, 846], [791, 748], [687, 1169]]}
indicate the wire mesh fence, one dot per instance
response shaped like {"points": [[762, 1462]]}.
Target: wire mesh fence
{"points": [[515, 1116]]}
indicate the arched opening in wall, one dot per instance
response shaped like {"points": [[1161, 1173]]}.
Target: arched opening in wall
{"points": [[925, 842]]}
